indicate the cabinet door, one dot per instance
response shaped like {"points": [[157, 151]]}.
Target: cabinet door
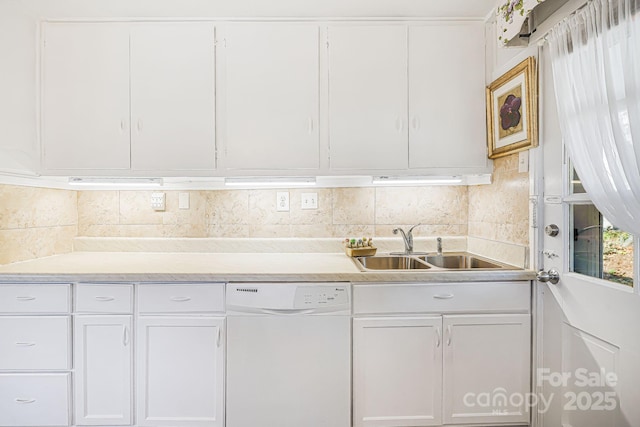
{"points": [[368, 97], [269, 96], [172, 96], [180, 371], [447, 96], [103, 376], [397, 366], [85, 90], [487, 361]]}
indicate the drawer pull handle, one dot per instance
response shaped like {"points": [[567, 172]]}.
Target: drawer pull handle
{"points": [[24, 401], [180, 299], [25, 298], [25, 344], [443, 296], [105, 299]]}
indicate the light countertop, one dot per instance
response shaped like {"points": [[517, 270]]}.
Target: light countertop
{"points": [[225, 267]]}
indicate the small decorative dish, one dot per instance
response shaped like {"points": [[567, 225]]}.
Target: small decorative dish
{"points": [[362, 251]]}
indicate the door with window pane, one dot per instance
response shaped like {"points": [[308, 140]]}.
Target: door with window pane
{"points": [[589, 320]]}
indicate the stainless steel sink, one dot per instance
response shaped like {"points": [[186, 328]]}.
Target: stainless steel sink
{"points": [[391, 262], [459, 262]]}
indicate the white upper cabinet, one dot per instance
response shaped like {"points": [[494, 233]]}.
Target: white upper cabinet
{"points": [[85, 103], [263, 98], [173, 96], [368, 97], [268, 96], [129, 97], [447, 96]]}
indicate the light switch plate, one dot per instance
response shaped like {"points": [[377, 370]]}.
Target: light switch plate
{"points": [[309, 201], [282, 201], [183, 200], [158, 201], [523, 161]]}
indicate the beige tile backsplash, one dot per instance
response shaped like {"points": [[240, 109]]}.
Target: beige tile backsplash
{"points": [[252, 213], [500, 211], [37, 222]]}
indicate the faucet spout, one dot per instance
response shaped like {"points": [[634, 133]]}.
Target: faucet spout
{"points": [[407, 237]]}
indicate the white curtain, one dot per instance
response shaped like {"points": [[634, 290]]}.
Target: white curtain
{"points": [[595, 57]]}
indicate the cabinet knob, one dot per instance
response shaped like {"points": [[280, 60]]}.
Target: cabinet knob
{"points": [[415, 122]]}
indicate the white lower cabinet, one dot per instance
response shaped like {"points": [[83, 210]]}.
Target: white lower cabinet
{"points": [[180, 371], [397, 371], [103, 370], [439, 370], [36, 399], [487, 361]]}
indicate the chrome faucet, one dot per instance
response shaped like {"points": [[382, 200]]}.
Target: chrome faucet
{"points": [[407, 238], [439, 248]]}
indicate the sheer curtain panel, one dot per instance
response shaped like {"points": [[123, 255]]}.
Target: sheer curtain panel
{"points": [[595, 57]]}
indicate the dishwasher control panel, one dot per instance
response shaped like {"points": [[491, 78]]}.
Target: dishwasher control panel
{"points": [[321, 296], [307, 297]]}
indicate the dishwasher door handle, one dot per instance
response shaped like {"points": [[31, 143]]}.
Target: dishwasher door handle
{"points": [[285, 312]]}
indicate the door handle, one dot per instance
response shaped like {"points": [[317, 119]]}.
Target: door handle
{"points": [[438, 337], [449, 335], [552, 276], [125, 336]]}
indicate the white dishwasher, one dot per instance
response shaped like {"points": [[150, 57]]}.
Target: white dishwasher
{"points": [[288, 355]]}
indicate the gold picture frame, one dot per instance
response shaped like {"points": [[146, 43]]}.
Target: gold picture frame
{"points": [[512, 110]]}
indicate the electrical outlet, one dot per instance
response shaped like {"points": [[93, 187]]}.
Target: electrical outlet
{"points": [[158, 201], [282, 201], [309, 201]]}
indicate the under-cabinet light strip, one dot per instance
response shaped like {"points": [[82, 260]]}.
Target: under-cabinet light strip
{"points": [[115, 181]]}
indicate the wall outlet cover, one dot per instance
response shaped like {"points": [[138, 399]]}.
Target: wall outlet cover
{"points": [[158, 201], [282, 201]]}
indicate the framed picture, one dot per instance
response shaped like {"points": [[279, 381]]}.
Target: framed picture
{"points": [[512, 110]]}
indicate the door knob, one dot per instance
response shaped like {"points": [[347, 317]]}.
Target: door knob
{"points": [[552, 276], [552, 230]]}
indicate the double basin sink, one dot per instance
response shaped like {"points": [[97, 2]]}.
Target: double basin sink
{"points": [[449, 261]]}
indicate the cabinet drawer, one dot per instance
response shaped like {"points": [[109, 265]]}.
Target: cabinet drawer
{"points": [[187, 298], [476, 297], [30, 342], [92, 298], [30, 298], [34, 400]]}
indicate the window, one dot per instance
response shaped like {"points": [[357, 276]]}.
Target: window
{"points": [[597, 247]]}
